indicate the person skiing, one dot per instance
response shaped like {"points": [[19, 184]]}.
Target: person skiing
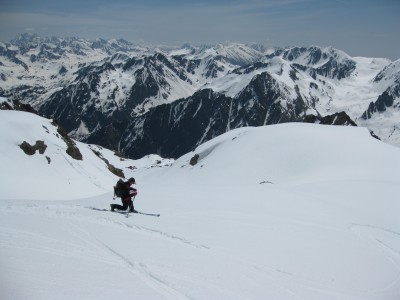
{"points": [[126, 196]]}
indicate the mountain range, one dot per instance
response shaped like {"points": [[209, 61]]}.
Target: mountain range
{"points": [[153, 99]]}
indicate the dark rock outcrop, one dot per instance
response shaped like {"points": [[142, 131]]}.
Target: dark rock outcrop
{"points": [[72, 149], [31, 150], [335, 119]]}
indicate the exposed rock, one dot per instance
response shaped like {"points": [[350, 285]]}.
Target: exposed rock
{"points": [[110, 167], [5, 106], [311, 119], [374, 135], [116, 171], [17, 105], [385, 100], [31, 150], [72, 150], [194, 160], [335, 119]]}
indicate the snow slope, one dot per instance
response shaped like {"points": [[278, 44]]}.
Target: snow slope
{"points": [[54, 174], [290, 211]]}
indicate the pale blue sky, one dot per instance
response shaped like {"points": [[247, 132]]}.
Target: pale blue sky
{"points": [[358, 27]]}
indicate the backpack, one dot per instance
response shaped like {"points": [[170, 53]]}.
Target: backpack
{"points": [[119, 188]]}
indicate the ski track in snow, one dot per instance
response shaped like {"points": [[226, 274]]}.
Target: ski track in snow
{"points": [[373, 235], [139, 269], [279, 278], [57, 210], [151, 231], [143, 272], [166, 235], [112, 256]]}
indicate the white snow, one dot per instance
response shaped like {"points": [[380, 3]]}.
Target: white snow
{"points": [[290, 211]]}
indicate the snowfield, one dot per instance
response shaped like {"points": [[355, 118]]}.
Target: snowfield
{"points": [[289, 211]]}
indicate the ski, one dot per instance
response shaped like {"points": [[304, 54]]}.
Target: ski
{"points": [[124, 212], [114, 211], [147, 214]]}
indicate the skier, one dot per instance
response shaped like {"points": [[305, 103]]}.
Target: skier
{"points": [[126, 196]]}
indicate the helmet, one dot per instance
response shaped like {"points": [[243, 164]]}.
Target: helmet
{"points": [[132, 180]]}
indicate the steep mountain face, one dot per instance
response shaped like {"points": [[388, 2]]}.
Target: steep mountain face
{"points": [[170, 130], [329, 62], [142, 99], [173, 129], [388, 78], [384, 112]]}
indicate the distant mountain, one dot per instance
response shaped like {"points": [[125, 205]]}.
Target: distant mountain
{"points": [[389, 80], [142, 99]]}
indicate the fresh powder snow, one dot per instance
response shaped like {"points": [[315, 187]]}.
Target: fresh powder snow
{"points": [[289, 211]]}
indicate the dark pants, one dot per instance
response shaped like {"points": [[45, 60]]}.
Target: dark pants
{"points": [[125, 204]]}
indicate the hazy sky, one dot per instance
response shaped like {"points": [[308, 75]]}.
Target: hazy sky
{"points": [[359, 27]]}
